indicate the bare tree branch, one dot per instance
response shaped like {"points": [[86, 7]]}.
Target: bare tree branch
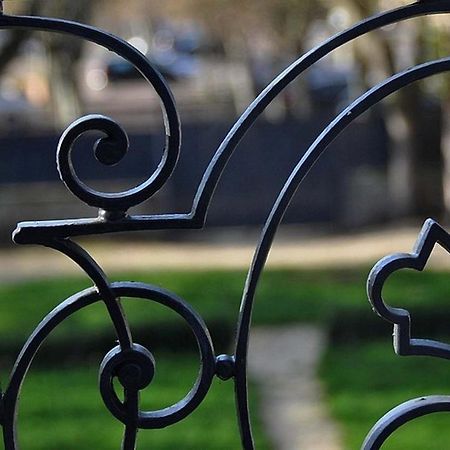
{"points": [[16, 39]]}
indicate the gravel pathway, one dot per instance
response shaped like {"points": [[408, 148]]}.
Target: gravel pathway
{"points": [[292, 249], [283, 362]]}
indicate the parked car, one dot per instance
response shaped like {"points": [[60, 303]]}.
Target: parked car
{"points": [[173, 67]]}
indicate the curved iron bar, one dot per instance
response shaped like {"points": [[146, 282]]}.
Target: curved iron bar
{"points": [[134, 367], [398, 416], [85, 261], [28, 232], [345, 118], [432, 233], [257, 107], [111, 149]]}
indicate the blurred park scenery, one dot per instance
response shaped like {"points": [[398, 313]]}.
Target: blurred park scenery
{"points": [[367, 197]]}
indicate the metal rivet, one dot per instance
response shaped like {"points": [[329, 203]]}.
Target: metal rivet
{"points": [[225, 367]]}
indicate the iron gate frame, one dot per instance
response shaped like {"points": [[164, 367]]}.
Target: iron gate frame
{"points": [[133, 364]]}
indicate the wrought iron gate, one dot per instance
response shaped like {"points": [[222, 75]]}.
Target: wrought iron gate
{"points": [[133, 364]]}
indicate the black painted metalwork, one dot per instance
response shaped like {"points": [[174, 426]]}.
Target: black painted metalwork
{"points": [[129, 362]]}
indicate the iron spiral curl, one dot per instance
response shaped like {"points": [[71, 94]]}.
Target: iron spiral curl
{"points": [[112, 148], [134, 367]]}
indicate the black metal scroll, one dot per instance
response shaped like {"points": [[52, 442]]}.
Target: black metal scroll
{"points": [[129, 362], [404, 344]]}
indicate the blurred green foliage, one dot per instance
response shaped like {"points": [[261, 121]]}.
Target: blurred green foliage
{"points": [[364, 380]]}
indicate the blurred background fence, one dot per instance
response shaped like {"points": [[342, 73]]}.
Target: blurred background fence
{"points": [[218, 57]]}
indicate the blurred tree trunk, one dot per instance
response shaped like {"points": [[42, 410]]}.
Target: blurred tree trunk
{"points": [[424, 118], [64, 55], [415, 127], [422, 140], [263, 37], [16, 38]]}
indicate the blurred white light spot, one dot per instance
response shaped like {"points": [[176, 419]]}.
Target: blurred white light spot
{"points": [[339, 18], [139, 43], [96, 79]]}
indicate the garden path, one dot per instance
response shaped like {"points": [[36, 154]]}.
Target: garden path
{"points": [[293, 249], [283, 361]]}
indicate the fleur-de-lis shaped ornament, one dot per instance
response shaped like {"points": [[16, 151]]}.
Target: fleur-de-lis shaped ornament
{"points": [[404, 344]]}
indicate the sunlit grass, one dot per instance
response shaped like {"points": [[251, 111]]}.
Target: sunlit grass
{"points": [[62, 406], [62, 409], [283, 296], [364, 380]]}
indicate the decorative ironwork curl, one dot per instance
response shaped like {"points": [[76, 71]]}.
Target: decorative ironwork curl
{"points": [[131, 363], [133, 366], [111, 149], [431, 234], [29, 232], [108, 150]]}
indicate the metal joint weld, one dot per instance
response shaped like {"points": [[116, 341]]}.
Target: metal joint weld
{"points": [[2, 409], [225, 367]]}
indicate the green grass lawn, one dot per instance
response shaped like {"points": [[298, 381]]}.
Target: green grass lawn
{"points": [[62, 409], [283, 296], [364, 380], [61, 404]]}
